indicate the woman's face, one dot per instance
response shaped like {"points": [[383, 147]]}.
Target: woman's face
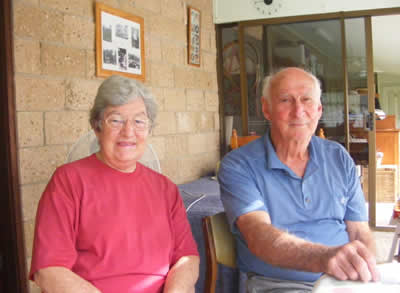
{"points": [[123, 137]]}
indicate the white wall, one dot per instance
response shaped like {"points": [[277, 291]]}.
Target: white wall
{"points": [[238, 10]]}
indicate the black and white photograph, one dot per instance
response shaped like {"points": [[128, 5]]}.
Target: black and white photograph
{"points": [[121, 46], [122, 60], [135, 37], [107, 33], [133, 61], [121, 31], [110, 56], [194, 36]]}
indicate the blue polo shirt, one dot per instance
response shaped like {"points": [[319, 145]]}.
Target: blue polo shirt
{"points": [[313, 207]]}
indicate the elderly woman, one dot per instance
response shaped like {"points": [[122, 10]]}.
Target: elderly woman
{"points": [[106, 223]]}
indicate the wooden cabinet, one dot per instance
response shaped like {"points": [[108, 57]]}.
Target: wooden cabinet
{"points": [[387, 176], [386, 184], [387, 142]]}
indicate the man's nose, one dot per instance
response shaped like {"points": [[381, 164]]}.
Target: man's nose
{"points": [[298, 108]]}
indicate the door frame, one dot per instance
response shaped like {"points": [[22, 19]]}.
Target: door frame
{"points": [[12, 242], [366, 14]]}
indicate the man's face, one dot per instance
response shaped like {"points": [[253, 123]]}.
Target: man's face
{"points": [[294, 107]]}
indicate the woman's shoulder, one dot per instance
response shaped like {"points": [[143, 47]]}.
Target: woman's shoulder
{"points": [[85, 162], [154, 175], [83, 168]]}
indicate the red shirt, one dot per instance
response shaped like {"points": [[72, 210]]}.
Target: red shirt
{"points": [[120, 231]]}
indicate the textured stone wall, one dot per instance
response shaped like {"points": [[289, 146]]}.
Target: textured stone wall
{"points": [[54, 49]]}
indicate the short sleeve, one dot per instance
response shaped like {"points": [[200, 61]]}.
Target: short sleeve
{"points": [[54, 240], [184, 243], [356, 208], [239, 191]]}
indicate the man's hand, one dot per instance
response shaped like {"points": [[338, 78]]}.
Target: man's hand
{"points": [[352, 261]]}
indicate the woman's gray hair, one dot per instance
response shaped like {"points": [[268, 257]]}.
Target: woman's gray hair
{"points": [[268, 80], [116, 91]]}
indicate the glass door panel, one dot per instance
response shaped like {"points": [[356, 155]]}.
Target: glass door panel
{"points": [[356, 62], [254, 54], [315, 46], [386, 45], [348, 115], [230, 82]]}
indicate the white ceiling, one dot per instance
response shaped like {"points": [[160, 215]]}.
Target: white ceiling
{"points": [[226, 11], [326, 36], [386, 43], [386, 36]]}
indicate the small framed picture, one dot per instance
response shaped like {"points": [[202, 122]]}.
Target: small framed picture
{"points": [[119, 43], [194, 25]]}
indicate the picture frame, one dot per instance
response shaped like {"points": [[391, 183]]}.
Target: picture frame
{"points": [[194, 29], [119, 43]]}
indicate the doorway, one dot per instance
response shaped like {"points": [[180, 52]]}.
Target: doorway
{"points": [[12, 255], [387, 84], [346, 51]]}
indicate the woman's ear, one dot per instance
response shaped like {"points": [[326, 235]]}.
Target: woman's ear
{"points": [[97, 129]]}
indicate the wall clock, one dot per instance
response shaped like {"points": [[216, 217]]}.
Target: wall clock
{"points": [[267, 7]]}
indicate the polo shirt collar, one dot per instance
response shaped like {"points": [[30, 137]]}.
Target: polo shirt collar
{"points": [[273, 161]]}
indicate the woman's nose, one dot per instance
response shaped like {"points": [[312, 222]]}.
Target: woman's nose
{"points": [[128, 128]]}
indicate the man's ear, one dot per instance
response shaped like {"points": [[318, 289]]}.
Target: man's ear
{"points": [[320, 109], [265, 108]]}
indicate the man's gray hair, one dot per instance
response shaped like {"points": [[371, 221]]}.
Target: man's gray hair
{"points": [[268, 81], [117, 91]]}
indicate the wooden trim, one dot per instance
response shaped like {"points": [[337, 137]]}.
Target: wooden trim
{"points": [[383, 229], [123, 17], [323, 16], [243, 84], [345, 85], [220, 72], [12, 238], [211, 258], [371, 134]]}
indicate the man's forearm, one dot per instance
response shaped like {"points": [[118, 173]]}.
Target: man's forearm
{"points": [[183, 275], [62, 280], [282, 249], [353, 260]]}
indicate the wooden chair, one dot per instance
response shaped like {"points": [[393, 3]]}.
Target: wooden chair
{"points": [[238, 141], [220, 248]]}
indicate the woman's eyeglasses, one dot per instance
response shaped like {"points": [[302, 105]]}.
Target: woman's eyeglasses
{"points": [[117, 122]]}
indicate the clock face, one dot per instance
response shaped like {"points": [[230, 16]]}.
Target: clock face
{"points": [[267, 7]]}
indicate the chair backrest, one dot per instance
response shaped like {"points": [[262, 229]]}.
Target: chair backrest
{"points": [[220, 247], [238, 141]]}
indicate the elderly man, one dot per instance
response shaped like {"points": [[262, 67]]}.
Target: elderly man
{"points": [[294, 200]]}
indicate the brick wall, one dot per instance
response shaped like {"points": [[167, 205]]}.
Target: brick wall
{"points": [[54, 48]]}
